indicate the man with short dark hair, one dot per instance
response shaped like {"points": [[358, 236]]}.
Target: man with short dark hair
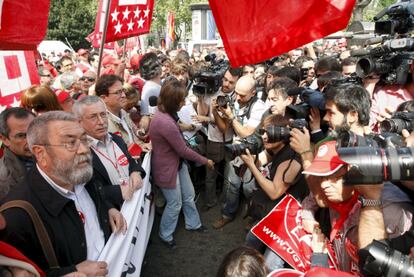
{"points": [[17, 159], [109, 88]]}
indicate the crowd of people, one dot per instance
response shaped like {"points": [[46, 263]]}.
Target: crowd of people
{"points": [[73, 151]]}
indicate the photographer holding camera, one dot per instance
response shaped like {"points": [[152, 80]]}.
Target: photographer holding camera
{"points": [[242, 118], [216, 138], [277, 172]]}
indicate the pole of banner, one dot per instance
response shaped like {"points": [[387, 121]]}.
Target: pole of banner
{"points": [[124, 50], [101, 48]]}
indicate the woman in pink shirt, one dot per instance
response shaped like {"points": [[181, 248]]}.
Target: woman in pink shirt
{"points": [[168, 163]]}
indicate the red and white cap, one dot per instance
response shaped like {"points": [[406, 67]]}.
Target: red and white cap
{"points": [[326, 162]]}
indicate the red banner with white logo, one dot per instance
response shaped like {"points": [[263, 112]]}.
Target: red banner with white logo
{"points": [[281, 230], [255, 30], [17, 73], [128, 18], [23, 23]]}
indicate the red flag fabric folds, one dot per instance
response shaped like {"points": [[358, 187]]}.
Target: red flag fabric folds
{"points": [[255, 30], [22, 23], [128, 18]]}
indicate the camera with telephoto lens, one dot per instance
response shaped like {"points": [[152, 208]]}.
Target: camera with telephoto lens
{"points": [[378, 259], [392, 60], [252, 142], [223, 101], [208, 81], [281, 133], [398, 122], [308, 98], [374, 165], [346, 138]]}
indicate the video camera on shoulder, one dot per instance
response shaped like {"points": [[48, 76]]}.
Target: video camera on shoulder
{"points": [[392, 60], [209, 80]]}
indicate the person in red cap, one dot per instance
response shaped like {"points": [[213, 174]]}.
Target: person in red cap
{"points": [[112, 65], [347, 205]]}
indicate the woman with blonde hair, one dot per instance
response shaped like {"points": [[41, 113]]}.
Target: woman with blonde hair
{"points": [[40, 99]]}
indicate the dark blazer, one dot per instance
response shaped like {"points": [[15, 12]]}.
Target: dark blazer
{"points": [[61, 219], [113, 193]]}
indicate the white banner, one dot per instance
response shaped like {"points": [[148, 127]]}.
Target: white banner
{"points": [[125, 253]]}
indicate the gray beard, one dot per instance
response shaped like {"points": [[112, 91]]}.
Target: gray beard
{"points": [[70, 174]]}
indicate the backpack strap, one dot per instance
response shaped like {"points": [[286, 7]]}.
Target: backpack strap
{"points": [[40, 229]]}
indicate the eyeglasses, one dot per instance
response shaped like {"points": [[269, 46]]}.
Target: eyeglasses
{"points": [[118, 92], [84, 78], [72, 145], [67, 65], [94, 117]]}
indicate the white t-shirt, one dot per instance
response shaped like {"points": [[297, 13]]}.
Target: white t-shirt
{"points": [[213, 132], [150, 89]]}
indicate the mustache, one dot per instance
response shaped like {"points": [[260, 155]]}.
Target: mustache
{"points": [[83, 158]]}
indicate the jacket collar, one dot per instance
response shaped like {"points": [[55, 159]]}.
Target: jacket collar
{"points": [[52, 201]]}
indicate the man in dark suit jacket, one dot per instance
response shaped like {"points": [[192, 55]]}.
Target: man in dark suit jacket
{"points": [[71, 204], [113, 165]]}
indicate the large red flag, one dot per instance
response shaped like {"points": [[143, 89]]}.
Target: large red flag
{"points": [[23, 23], [255, 30], [17, 73], [128, 18]]}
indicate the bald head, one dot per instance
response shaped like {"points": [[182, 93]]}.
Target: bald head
{"points": [[245, 89]]}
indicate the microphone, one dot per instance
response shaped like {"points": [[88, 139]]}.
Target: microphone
{"points": [[152, 104]]}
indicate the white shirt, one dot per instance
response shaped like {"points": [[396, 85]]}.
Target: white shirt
{"points": [[95, 240], [214, 133], [113, 159]]}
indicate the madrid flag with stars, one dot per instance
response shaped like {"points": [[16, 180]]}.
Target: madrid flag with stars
{"points": [[128, 18]]}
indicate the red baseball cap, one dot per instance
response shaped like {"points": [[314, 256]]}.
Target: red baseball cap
{"points": [[326, 162], [62, 95], [134, 61]]}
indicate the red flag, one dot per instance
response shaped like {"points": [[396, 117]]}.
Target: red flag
{"points": [[15, 19], [17, 73], [128, 18], [281, 230], [170, 35], [255, 30]]}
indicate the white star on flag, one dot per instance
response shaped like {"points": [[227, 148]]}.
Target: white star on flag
{"points": [[137, 12], [16, 103], [115, 15], [146, 12], [141, 22], [118, 28], [130, 25], [2, 108], [126, 13]]}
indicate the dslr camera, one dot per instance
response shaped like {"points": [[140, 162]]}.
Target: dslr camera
{"points": [[252, 142], [279, 133], [224, 100], [398, 122]]}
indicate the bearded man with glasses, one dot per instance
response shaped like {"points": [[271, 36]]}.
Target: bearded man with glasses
{"points": [[68, 200]]}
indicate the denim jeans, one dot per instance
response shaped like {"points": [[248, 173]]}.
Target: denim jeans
{"points": [[181, 196], [233, 183], [272, 260]]}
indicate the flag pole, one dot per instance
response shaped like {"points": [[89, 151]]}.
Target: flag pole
{"points": [[101, 48]]}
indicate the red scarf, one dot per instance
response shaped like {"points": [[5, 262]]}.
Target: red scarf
{"points": [[343, 208]]}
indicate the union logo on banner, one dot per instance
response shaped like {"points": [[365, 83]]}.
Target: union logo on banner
{"points": [[281, 230], [17, 73]]}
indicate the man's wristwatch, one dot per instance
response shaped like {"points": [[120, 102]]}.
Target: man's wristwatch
{"points": [[370, 202]]}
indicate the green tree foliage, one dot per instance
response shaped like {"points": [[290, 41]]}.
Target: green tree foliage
{"points": [[72, 19], [182, 14]]}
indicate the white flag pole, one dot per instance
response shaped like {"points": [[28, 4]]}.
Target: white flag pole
{"points": [[101, 48]]}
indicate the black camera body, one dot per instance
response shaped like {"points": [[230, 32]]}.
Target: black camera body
{"points": [[378, 259], [209, 81], [278, 133], [252, 142], [398, 122], [223, 101]]}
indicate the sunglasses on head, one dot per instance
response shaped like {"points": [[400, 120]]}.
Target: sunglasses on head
{"points": [[90, 79]]}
